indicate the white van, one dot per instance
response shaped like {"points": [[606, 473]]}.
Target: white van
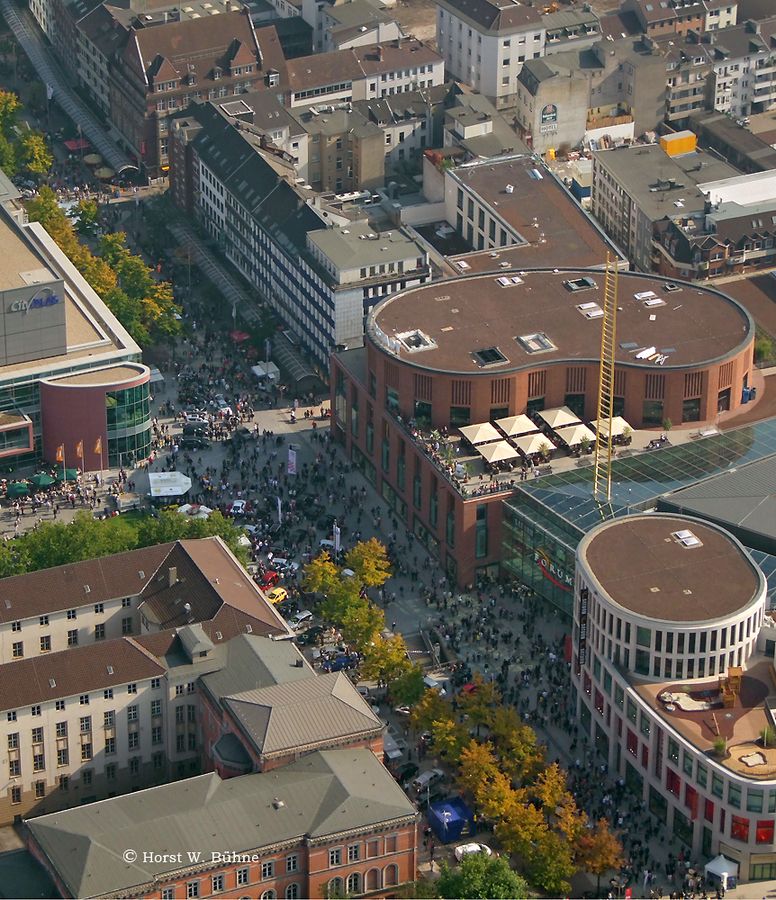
{"points": [[426, 779], [433, 684]]}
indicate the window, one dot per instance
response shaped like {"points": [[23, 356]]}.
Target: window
{"points": [[218, 884], [156, 707], [354, 853], [739, 828], [156, 734], [17, 649], [45, 643], [14, 768], [132, 688], [72, 638], [87, 776], [16, 795], [734, 795], [292, 892], [99, 608], [133, 740], [292, 863], [86, 752], [99, 632], [107, 694], [134, 766], [40, 790], [16, 626], [59, 705], [242, 876], [43, 620], [110, 745], [84, 699], [86, 724], [35, 710], [13, 741], [335, 856], [64, 782], [110, 771], [11, 715], [126, 603], [168, 893], [764, 832], [156, 683], [63, 756], [268, 869], [126, 625], [132, 714], [71, 614], [192, 889]]}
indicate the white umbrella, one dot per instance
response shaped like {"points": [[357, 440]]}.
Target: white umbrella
{"points": [[514, 425], [618, 426], [575, 434], [480, 434], [497, 452], [533, 443], [186, 509], [560, 417]]}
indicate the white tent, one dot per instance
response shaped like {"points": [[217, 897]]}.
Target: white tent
{"points": [[618, 426], [723, 870], [480, 434], [533, 443], [559, 417], [514, 425], [168, 484], [575, 434], [497, 452], [267, 370]]}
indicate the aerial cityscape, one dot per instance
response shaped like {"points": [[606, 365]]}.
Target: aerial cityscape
{"points": [[388, 449]]}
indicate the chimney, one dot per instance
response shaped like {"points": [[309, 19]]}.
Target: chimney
{"points": [[172, 576]]}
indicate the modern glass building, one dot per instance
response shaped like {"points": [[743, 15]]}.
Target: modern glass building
{"points": [[544, 520]]}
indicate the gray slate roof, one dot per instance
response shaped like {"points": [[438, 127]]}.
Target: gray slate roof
{"points": [[322, 794], [301, 714]]}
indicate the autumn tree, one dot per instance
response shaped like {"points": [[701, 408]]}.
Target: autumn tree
{"points": [[35, 154], [432, 707], [386, 659], [520, 754], [369, 562], [481, 876], [598, 851], [480, 702], [478, 767]]}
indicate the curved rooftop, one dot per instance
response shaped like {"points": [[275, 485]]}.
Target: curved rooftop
{"points": [[672, 568], [525, 319]]}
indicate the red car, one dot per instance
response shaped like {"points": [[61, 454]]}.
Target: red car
{"points": [[269, 579]]}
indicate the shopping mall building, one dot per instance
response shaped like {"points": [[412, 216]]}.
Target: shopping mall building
{"points": [[488, 346], [671, 685], [70, 374]]}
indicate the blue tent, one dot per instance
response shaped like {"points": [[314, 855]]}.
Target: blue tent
{"points": [[450, 820]]}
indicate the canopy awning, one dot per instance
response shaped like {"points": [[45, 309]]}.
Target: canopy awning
{"points": [[575, 434], [156, 376], [292, 362], [77, 144], [618, 426], [497, 452], [168, 484], [533, 443], [480, 434], [721, 865], [559, 417], [514, 425]]}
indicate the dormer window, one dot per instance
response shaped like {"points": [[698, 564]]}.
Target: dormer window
{"points": [[273, 78], [217, 73], [191, 78]]}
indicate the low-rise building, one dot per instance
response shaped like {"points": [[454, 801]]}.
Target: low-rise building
{"points": [[671, 687], [677, 17], [331, 822], [637, 187]]}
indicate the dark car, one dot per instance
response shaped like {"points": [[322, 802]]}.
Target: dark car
{"points": [[407, 773], [341, 663], [311, 636], [189, 442]]}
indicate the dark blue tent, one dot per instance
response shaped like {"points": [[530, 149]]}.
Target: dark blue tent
{"points": [[450, 820]]}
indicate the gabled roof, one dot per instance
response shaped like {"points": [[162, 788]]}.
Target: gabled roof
{"points": [[322, 794], [253, 663], [303, 713], [77, 670]]}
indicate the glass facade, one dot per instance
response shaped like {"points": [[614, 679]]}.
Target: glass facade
{"points": [[128, 417]]}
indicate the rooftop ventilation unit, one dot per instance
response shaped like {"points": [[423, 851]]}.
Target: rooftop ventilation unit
{"points": [[510, 189], [585, 283], [538, 342], [687, 539], [415, 341], [590, 310], [490, 356]]}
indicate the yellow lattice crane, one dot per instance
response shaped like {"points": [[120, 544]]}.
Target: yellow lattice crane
{"points": [[602, 476]]}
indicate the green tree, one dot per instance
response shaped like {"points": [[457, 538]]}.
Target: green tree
{"points": [[408, 688], [55, 544], [35, 154], [481, 876], [9, 161], [422, 889], [9, 107], [170, 525], [88, 216]]}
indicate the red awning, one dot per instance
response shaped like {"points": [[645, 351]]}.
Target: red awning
{"points": [[239, 336], [77, 144]]}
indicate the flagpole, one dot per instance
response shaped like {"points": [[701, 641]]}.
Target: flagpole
{"points": [[64, 464]]}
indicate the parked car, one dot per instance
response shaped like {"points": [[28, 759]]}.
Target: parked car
{"points": [[402, 710], [237, 508], [189, 442], [426, 779], [341, 663], [277, 595], [300, 619], [406, 773], [311, 636], [269, 579], [327, 545], [466, 849]]}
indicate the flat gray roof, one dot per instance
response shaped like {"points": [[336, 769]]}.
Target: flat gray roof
{"points": [[645, 170], [350, 246]]}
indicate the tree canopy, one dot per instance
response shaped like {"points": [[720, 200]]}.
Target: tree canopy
{"points": [[481, 876], [21, 148], [144, 306]]}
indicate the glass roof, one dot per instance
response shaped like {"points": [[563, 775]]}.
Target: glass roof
{"points": [[767, 563], [637, 481]]}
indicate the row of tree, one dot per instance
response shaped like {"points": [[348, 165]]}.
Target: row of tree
{"points": [[504, 773], [144, 306], [345, 603], [21, 148], [59, 543]]}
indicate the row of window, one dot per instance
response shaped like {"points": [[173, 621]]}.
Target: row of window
{"points": [[71, 614], [107, 694], [44, 642]]}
